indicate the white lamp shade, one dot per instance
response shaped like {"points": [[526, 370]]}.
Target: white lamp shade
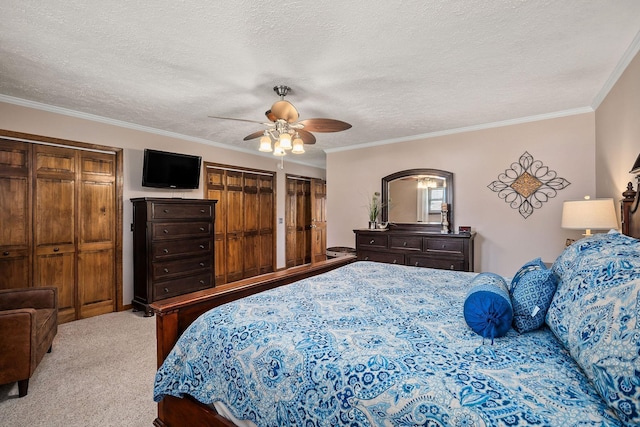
{"points": [[285, 141], [265, 144], [596, 214], [298, 146], [278, 150]]}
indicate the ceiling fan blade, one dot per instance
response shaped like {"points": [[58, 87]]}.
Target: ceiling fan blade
{"points": [[307, 137], [253, 135], [231, 118], [283, 110], [324, 125]]}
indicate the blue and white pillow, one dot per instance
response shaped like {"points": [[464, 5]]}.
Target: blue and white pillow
{"points": [[487, 306], [531, 292], [595, 313]]}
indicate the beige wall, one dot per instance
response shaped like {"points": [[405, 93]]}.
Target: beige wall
{"points": [[505, 240], [618, 133], [45, 123]]}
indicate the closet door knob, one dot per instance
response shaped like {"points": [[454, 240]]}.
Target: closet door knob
{"points": [[56, 249]]}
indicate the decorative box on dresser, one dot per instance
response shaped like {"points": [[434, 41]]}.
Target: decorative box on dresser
{"points": [[173, 248], [417, 248]]}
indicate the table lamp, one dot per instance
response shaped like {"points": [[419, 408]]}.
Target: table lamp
{"points": [[588, 214]]}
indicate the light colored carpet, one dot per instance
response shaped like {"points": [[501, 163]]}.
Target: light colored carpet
{"points": [[100, 373]]}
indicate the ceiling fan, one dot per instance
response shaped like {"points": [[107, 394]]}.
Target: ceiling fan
{"points": [[285, 130]]}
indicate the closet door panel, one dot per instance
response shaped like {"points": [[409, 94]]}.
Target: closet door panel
{"points": [[15, 215], [96, 276], [251, 213], [96, 237], [235, 226], [55, 225], [215, 191], [58, 269], [267, 223]]}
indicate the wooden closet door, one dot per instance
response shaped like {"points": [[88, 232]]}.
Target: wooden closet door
{"points": [[266, 194], [216, 191], [55, 225], [251, 236], [318, 220], [303, 223], [15, 215], [235, 225], [290, 216], [96, 234]]}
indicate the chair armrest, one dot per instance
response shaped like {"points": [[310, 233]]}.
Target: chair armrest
{"points": [[17, 344], [45, 297]]}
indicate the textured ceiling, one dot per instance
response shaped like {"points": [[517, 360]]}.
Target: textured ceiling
{"points": [[393, 69]]}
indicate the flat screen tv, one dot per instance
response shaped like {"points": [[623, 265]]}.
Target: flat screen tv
{"points": [[170, 170]]}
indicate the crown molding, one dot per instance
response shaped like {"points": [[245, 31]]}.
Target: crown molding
{"points": [[492, 125], [120, 123], [624, 62]]}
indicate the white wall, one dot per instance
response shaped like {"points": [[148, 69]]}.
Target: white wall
{"points": [[39, 122], [505, 240], [618, 133]]}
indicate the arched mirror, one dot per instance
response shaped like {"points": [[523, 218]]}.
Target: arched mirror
{"points": [[415, 198]]}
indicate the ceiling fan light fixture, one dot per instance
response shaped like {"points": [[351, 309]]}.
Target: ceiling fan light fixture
{"points": [[298, 145], [265, 144], [285, 141], [278, 151]]}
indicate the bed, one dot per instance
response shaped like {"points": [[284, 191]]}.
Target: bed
{"points": [[370, 344]]}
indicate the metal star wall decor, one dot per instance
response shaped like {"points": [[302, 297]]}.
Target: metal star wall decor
{"points": [[527, 185]]}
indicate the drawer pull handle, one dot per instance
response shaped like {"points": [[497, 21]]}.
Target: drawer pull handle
{"points": [[165, 231], [202, 264], [404, 244], [452, 267], [201, 228], [166, 211], [201, 210], [417, 263], [6, 253], [166, 251], [443, 246], [56, 249], [166, 290], [395, 261], [366, 258], [372, 241], [201, 246], [202, 282], [166, 270]]}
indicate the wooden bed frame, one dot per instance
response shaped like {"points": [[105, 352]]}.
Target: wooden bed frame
{"points": [[174, 315]]}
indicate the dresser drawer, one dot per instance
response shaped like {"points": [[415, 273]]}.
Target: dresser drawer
{"points": [[181, 211], [181, 248], [386, 257], [444, 245], [167, 269], [441, 263], [372, 240], [406, 243], [172, 230], [171, 288]]}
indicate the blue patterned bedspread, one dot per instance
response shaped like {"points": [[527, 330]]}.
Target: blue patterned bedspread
{"points": [[373, 344]]}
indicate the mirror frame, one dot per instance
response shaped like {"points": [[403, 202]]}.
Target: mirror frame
{"points": [[433, 228]]}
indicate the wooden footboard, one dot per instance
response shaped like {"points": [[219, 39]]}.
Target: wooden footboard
{"points": [[174, 315]]}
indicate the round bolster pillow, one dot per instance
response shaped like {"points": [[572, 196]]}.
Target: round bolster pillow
{"points": [[487, 306]]}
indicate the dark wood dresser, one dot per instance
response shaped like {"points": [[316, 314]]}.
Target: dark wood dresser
{"points": [[173, 248], [417, 248]]}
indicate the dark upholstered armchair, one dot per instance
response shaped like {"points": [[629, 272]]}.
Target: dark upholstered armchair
{"points": [[28, 323]]}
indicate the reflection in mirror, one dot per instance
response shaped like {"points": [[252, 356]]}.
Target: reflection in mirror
{"points": [[417, 197]]}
